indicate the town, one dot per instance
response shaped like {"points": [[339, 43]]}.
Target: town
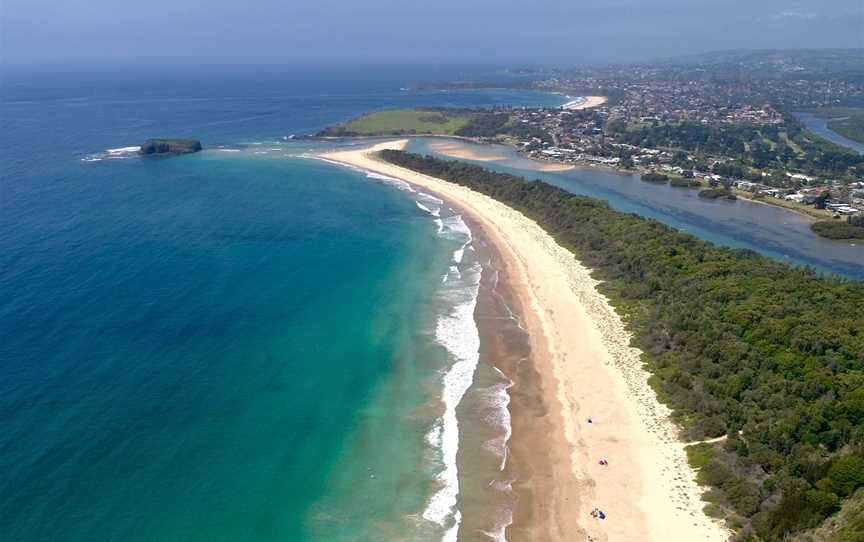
{"points": [[583, 137], [716, 122]]}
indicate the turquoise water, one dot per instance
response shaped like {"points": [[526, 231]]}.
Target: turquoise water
{"points": [[222, 346], [243, 344]]}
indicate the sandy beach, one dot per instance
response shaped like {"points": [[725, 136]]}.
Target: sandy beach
{"points": [[581, 366], [483, 154], [451, 148], [586, 102]]}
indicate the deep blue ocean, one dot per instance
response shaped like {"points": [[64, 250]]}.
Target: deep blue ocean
{"points": [[221, 346], [245, 343]]}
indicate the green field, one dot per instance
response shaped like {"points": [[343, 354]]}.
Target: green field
{"points": [[403, 121]]}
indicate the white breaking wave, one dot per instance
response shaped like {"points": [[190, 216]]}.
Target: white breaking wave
{"points": [[430, 197], [124, 150], [398, 183], [458, 254], [457, 332], [498, 399], [440, 224], [426, 209], [455, 229], [430, 204], [113, 154]]}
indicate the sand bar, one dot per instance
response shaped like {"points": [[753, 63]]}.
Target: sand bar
{"points": [[579, 344], [468, 152], [458, 149]]}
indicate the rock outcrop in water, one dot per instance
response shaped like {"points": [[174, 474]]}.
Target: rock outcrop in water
{"points": [[164, 147]]}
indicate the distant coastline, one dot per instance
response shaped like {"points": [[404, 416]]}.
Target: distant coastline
{"points": [[549, 163]]}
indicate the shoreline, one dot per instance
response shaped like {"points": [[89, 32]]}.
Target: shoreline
{"points": [[648, 491], [549, 165], [585, 102], [534, 445]]}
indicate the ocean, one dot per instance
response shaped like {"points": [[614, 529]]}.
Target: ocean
{"points": [[242, 344], [249, 343]]}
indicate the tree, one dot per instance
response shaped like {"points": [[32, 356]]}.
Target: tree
{"points": [[822, 200]]}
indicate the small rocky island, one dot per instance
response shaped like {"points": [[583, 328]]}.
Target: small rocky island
{"points": [[169, 147]]}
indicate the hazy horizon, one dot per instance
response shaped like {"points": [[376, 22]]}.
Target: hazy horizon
{"points": [[483, 32]]}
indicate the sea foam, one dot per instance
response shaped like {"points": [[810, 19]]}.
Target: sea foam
{"points": [[113, 154], [398, 183], [457, 331], [124, 150]]}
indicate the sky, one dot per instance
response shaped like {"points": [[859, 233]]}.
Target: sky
{"points": [[501, 32]]}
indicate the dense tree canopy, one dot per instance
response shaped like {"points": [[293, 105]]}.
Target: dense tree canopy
{"points": [[786, 146], [738, 344]]}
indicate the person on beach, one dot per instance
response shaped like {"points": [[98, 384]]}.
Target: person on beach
{"points": [[603, 462], [597, 513]]}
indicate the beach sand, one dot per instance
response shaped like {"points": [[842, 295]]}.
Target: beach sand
{"points": [[580, 366], [553, 166], [586, 102], [458, 149]]}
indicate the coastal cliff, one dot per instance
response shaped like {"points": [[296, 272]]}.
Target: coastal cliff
{"points": [[169, 147]]}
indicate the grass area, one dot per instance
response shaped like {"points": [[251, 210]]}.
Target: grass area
{"points": [[771, 143], [792, 145], [403, 121], [698, 455], [846, 121]]}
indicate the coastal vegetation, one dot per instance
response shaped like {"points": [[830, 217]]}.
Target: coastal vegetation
{"points": [[787, 146], [654, 177], [474, 123], [501, 125], [851, 228], [403, 121], [762, 354], [717, 193], [683, 182], [169, 146]]}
